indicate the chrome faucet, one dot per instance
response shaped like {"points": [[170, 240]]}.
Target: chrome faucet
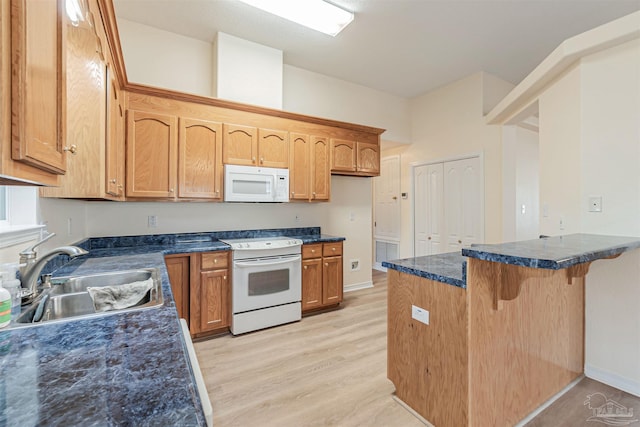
{"points": [[31, 266]]}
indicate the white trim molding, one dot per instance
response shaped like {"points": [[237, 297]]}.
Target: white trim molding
{"points": [[613, 380], [358, 286], [14, 235]]}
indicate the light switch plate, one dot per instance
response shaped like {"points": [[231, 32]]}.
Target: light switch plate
{"points": [[420, 314]]}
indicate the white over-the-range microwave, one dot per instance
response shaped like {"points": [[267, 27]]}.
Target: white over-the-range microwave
{"points": [[255, 184]]}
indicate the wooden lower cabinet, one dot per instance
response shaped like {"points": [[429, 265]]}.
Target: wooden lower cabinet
{"points": [[200, 283], [321, 275], [179, 269]]}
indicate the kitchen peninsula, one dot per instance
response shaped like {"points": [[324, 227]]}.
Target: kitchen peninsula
{"points": [[505, 328]]}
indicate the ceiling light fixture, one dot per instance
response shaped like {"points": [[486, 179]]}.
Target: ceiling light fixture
{"points": [[315, 14]]}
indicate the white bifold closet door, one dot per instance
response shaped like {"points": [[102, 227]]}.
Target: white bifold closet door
{"points": [[447, 206]]}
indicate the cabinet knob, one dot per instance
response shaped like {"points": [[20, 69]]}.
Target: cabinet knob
{"points": [[262, 160], [113, 181], [171, 190], [326, 264], [459, 241], [333, 249], [73, 149], [215, 261], [253, 159], [305, 267], [224, 277], [293, 194], [313, 251]]}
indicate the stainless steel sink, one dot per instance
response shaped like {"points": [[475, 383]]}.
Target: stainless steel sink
{"points": [[68, 298]]}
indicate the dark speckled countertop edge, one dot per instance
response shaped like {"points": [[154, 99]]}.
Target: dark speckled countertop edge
{"points": [[161, 326], [449, 268]]}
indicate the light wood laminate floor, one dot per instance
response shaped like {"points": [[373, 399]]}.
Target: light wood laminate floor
{"points": [[329, 370]]}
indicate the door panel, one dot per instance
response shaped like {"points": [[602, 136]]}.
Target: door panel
{"points": [[214, 300], [387, 199], [200, 159]]}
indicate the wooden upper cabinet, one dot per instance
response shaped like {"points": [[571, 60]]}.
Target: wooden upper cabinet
{"points": [[250, 146], [320, 169], [115, 138], [152, 141], [343, 155], [300, 166], [37, 86], [200, 159], [273, 148], [368, 158], [240, 145], [355, 157]]}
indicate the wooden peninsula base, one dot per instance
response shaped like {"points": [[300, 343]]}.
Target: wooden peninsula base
{"points": [[492, 352]]}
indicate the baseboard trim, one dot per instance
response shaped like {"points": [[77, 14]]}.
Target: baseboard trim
{"points": [[613, 380], [358, 286], [411, 410], [549, 402]]}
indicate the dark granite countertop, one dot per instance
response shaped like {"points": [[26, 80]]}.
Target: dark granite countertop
{"points": [[554, 252], [448, 268], [121, 369]]}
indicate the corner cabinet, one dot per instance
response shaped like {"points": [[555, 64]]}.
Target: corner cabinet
{"points": [[309, 176], [357, 158], [322, 275], [200, 284]]}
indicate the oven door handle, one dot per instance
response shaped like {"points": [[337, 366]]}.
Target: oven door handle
{"points": [[276, 261]]}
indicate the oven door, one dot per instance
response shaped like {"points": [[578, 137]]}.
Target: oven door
{"points": [[266, 282]]}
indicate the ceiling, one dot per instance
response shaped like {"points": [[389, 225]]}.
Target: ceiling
{"points": [[402, 47]]}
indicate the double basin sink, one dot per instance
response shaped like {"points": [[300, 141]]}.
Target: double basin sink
{"points": [[68, 298]]}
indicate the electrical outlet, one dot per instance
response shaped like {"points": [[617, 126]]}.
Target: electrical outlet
{"points": [[420, 314], [152, 221], [595, 204], [355, 264]]}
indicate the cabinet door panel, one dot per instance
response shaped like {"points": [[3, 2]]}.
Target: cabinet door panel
{"points": [[320, 169], [368, 158], [115, 138], [343, 155], [200, 159], [332, 280], [240, 145], [37, 86], [273, 148], [151, 154], [312, 284], [299, 167], [178, 268], [214, 300]]}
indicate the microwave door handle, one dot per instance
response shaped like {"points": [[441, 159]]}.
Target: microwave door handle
{"points": [[266, 262]]}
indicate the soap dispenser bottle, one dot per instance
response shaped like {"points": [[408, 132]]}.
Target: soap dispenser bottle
{"points": [[5, 307]]}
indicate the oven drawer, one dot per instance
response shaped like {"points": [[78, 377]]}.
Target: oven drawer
{"points": [[332, 249], [214, 260], [312, 251]]}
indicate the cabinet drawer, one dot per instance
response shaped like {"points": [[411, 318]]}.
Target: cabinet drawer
{"points": [[214, 260], [312, 251], [332, 249]]}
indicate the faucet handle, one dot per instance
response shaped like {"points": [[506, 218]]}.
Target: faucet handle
{"points": [[30, 252]]}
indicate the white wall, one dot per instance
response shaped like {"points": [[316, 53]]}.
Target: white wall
{"points": [[318, 95], [520, 179], [610, 167], [248, 72], [159, 58], [590, 145], [446, 123]]}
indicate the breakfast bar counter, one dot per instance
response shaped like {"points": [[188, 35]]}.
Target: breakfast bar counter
{"points": [[494, 350]]}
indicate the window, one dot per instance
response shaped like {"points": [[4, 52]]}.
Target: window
{"points": [[18, 215]]}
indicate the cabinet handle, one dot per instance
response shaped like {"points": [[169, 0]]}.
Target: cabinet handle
{"points": [[73, 149]]}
